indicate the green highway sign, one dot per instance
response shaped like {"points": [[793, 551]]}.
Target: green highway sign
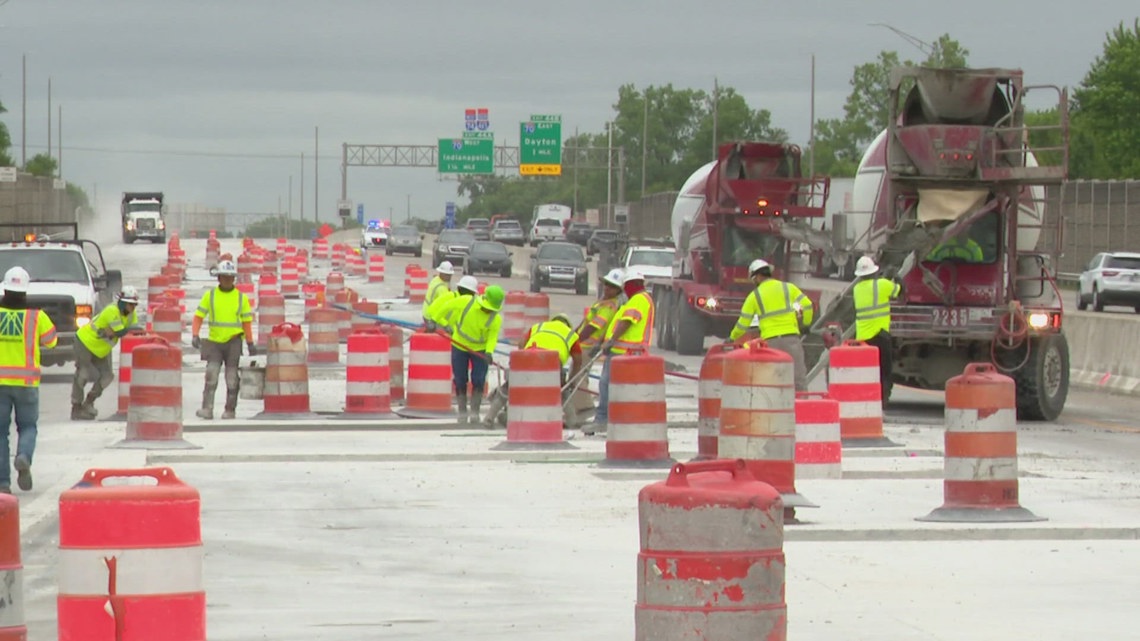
{"points": [[540, 146], [471, 153]]}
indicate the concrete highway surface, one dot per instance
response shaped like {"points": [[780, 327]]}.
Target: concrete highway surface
{"points": [[418, 530]]}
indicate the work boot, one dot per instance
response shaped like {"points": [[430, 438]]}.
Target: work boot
{"points": [[23, 472], [461, 407], [476, 403], [497, 401], [82, 413], [206, 413]]}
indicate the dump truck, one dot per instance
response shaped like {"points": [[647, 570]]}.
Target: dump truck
{"points": [[752, 202], [954, 201], [144, 217]]}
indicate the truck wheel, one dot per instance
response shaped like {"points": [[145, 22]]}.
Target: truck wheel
{"points": [[661, 321], [1043, 382], [669, 322], [128, 240], [690, 330], [534, 286]]}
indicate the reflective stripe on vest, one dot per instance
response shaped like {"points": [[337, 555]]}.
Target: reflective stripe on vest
{"points": [[30, 371], [237, 314], [645, 326], [876, 309], [546, 328], [463, 318]]}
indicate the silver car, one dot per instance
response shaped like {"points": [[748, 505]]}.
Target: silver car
{"points": [[1111, 278], [508, 232]]}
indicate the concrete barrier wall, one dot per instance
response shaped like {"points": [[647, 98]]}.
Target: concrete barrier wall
{"points": [[1104, 351]]}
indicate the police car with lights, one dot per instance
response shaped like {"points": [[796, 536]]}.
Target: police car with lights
{"points": [[375, 234], [69, 279]]}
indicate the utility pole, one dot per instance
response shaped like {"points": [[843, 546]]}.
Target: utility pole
{"points": [[59, 142], [316, 184], [302, 198], [644, 137], [290, 213], [576, 141], [715, 110], [609, 171], [24, 116], [811, 130], [49, 117], [408, 213]]}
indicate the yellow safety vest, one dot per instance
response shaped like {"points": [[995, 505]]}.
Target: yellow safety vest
{"points": [[111, 319], [639, 310], [599, 317], [436, 288], [476, 329], [966, 249], [554, 336], [872, 298], [436, 312], [773, 303], [22, 333], [226, 312]]}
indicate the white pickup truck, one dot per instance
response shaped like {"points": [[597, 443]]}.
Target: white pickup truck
{"points": [[69, 279]]}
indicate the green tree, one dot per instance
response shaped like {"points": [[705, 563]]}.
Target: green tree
{"points": [[867, 108], [1105, 108], [41, 165], [5, 142]]}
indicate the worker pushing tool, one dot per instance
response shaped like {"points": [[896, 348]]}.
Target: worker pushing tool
{"points": [[474, 323]]}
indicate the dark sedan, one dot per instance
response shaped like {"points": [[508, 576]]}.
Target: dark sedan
{"points": [[489, 256], [579, 233], [559, 264]]}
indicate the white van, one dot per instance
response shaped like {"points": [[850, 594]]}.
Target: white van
{"points": [[549, 223]]}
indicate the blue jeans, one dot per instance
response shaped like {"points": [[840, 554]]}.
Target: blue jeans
{"points": [[460, 360], [26, 402], [602, 415]]}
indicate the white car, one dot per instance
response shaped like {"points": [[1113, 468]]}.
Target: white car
{"points": [[654, 262], [1111, 278], [375, 234]]}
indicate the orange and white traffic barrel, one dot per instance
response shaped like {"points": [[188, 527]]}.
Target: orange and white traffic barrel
{"points": [[637, 435], [337, 254], [313, 295], [534, 401], [536, 309], [757, 416], [853, 380], [154, 411], [290, 278], [429, 383], [514, 315], [247, 290], [368, 392], [302, 263], [357, 264], [213, 250], [267, 285], [324, 347], [708, 401], [270, 264], [166, 321], [282, 243], [344, 300], [270, 313], [320, 248], [12, 624], [396, 360], [286, 394], [334, 285], [127, 345], [155, 288], [130, 559], [246, 268], [417, 286], [375, 267], [819, 450], [363, 316], [711, 564], [980, 473]]}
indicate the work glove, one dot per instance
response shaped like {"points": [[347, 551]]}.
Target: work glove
{"points": [[251, 348], [196, 342]]}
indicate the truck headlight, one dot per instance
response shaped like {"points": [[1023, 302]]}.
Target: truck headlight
{"points": [[543, 269], [130, 225], [161, 225], [82, 315]]}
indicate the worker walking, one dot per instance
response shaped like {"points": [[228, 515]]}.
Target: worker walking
{"points": [[593, 327], [780, 308], [474, 323], [872, 296], [95, 342], [467, 287], [228, 312], [23, 332], [630, 330], [438, 286]]}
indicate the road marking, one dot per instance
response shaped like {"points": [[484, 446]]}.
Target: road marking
{"points": [[1108, 426]]}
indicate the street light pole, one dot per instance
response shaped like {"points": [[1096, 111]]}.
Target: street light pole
{"points": [[408, 219]]}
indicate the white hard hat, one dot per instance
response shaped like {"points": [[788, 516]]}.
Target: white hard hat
{"points": [[445, 267], [614, 277], [129, 295], [865, 266], [16, 280], [468, 282], [632, 275], [757, 265], [226, 268]]}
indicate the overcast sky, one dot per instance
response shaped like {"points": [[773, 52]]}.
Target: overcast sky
{"points": [[255, 77]]}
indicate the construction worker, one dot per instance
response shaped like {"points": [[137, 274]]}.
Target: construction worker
{"points": [[23, 332], [93, 347], [230, 318], [780, 308], [438, 286], [593, 327], [467, 287], [630, 330], [474, 324], [556, 335], [872, 297]]}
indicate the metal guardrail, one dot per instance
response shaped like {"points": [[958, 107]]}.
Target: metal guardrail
{"points": [[1068, 278]]}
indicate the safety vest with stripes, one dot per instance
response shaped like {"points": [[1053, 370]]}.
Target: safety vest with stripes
{"points": [[774, 303], [599, 317], [639, 311], [22, 333], [872, 298], [475, 328], [111, 319], [226, 312], [436, 288], [554, 336]]}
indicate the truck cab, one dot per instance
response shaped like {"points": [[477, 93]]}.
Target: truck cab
{"points": [[69, 281], [143, 217]]}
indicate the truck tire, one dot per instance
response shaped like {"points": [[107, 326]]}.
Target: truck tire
{"points": [[659, 297], [690, 330], [128, 239], [1043, 382], [667, 339]]}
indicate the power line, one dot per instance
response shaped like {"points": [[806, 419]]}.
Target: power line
{"points": [[184, 153]]}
